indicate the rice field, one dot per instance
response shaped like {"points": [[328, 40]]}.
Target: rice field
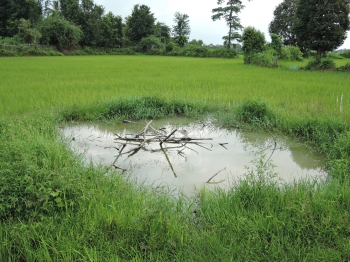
{"points": [[43, 83], [55, 208]]}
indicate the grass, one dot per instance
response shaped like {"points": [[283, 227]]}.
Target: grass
{"points": [[43, 83], [53, 208]]}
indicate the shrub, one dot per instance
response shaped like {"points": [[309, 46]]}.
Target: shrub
{"points": [[223, 53], [253, 43], [16, 40], [4, 52], [197, 51], [60, 33], [150, 43], [170, 47], [345, 68], [321, 64], [266, 58], [291, 53], [346, 54], [334, 55]]}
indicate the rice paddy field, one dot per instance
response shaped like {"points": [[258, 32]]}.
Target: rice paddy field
{"points": [[55, 208]]}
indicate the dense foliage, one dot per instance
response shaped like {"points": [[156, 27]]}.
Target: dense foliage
{"points": [[321, 25], [284, 20], [140, 23]]}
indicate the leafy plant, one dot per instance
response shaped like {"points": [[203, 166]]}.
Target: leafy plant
{"points": [[321, 64]]}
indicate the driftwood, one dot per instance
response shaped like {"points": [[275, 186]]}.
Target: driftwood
{"points": [[216, 175], [141, 139]]}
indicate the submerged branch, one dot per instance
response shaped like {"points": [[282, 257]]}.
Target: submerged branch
{"points": [[216, 175]]}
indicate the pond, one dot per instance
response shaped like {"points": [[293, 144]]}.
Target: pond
{"points": [[197, 152]]}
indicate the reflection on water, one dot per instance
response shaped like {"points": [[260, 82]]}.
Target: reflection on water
{"points": [[190, 166]]}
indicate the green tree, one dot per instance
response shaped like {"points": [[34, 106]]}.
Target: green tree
{"points": [[321, 25], [229, 12], [29, 34], [181, 30], [162, 31], [112, 31], [70, 10], [284, 18], [140, 23], [196, 42], [11, 11], [253, 42], [59, 32], [276, 43], [150, 43]]}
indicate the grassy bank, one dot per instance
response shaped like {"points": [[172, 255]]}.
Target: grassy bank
{"points": [[52, 207]]}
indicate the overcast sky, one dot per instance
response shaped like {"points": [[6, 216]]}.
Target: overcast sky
{"points": [[257, 13]]}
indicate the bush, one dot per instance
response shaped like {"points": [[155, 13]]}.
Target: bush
{"points": [[346, 54], [253, 43], [4, 52], [321, 64], [345, 68], [16, 40], [150, 43], [197, 51], [59, 32], [334, 55], [170, 47], [266, 58], [291, 53], [223, 53]]}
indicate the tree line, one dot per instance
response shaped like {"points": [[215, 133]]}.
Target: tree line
{"points": [[319, 25], [68, 24]]}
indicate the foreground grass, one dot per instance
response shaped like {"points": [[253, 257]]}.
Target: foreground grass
{"points": [[43, 83], [53, 208]]}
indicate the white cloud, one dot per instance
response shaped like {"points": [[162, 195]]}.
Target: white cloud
{"points": [[257, 13]]}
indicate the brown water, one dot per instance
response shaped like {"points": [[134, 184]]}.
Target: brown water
{"points": [[191, 166]]}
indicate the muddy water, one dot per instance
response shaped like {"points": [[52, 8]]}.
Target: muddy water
{"points": [[188, 167]]}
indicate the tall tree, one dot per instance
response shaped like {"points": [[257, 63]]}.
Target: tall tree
{"points": [[181, 30], [11, 11], [70, 10], [162, 31], [90, 22], [253, 42], [112, 31], [284, 17], [140, 23], [229, 10], [321, 25]]}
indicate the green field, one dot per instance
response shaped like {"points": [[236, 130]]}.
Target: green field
{"points": [[53, 208], [42, 83]]}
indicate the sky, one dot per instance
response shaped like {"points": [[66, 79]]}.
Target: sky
{"points": [[257, 13]]}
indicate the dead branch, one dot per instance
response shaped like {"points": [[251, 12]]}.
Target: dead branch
{"points": [[162, 141], [116, 167], [273, 151], [167, 158], [128, 122], [215, 175]]}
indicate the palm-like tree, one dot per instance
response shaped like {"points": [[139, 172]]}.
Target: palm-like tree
{"points": [[181, 29]]}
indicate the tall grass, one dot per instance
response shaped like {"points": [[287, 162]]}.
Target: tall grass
{"points": [[43, 83], [54, 208]]}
